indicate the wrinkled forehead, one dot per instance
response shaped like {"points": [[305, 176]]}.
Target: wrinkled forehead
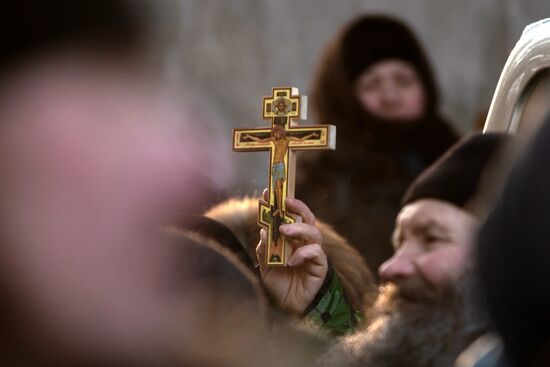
{"points": [[426, 213]]}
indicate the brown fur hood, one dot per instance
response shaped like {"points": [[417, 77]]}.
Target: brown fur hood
{"points": [[240, 216]]}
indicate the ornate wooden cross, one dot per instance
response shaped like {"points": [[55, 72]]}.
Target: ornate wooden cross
{"points": [[284, 109]]}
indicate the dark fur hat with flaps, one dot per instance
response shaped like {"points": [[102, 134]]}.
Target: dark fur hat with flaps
{"points": [[455, 177], [240, 216]]}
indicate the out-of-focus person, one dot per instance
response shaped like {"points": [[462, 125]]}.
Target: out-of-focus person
{"points": [[514, 258], [96, 157], [375, 83]]}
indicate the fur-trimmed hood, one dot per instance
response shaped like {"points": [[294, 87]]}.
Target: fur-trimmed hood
{"points": [[240, 216]]}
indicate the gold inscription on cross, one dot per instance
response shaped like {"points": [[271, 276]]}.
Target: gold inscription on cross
{"points": [[282, 139]]}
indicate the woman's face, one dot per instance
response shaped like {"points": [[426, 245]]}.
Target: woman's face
{"points": [[391, 90]]}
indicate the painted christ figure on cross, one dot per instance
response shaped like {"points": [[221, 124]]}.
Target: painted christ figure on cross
{"points": [[282, 139], [278, 169]]}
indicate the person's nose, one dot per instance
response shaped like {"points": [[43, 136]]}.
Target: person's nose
{"points": [[390, 94], [399, 267]]}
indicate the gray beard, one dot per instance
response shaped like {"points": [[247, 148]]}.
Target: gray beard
{"points": [[412, 325]]}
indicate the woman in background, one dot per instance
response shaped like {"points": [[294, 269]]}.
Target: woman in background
{"points": [[376, 85]]}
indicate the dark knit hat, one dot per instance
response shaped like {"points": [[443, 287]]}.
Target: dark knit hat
{"points": [[455, 176]]}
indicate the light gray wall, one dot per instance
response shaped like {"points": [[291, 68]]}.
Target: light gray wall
{"points": [[234, 51]]}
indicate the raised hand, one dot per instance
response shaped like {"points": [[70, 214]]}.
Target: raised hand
{"points": [[294, 287]]}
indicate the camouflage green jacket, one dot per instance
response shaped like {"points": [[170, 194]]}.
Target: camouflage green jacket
{"points": [[330, 309]]}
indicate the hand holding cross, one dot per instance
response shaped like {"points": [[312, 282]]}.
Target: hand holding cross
{"points": [[295, 286]]}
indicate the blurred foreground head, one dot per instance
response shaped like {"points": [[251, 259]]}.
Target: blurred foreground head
{"points": [[514, 257], [95, 157]]}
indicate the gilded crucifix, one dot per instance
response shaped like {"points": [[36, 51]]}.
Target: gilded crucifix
{"points": [[282, 139]]}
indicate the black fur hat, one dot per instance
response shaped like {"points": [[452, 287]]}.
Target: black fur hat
{"points": [[455, 176]]}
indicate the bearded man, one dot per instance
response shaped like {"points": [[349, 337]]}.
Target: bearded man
{"points": [[427, 310]]}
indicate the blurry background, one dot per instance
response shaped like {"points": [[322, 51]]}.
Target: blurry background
{"points": [[234, 51]]}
